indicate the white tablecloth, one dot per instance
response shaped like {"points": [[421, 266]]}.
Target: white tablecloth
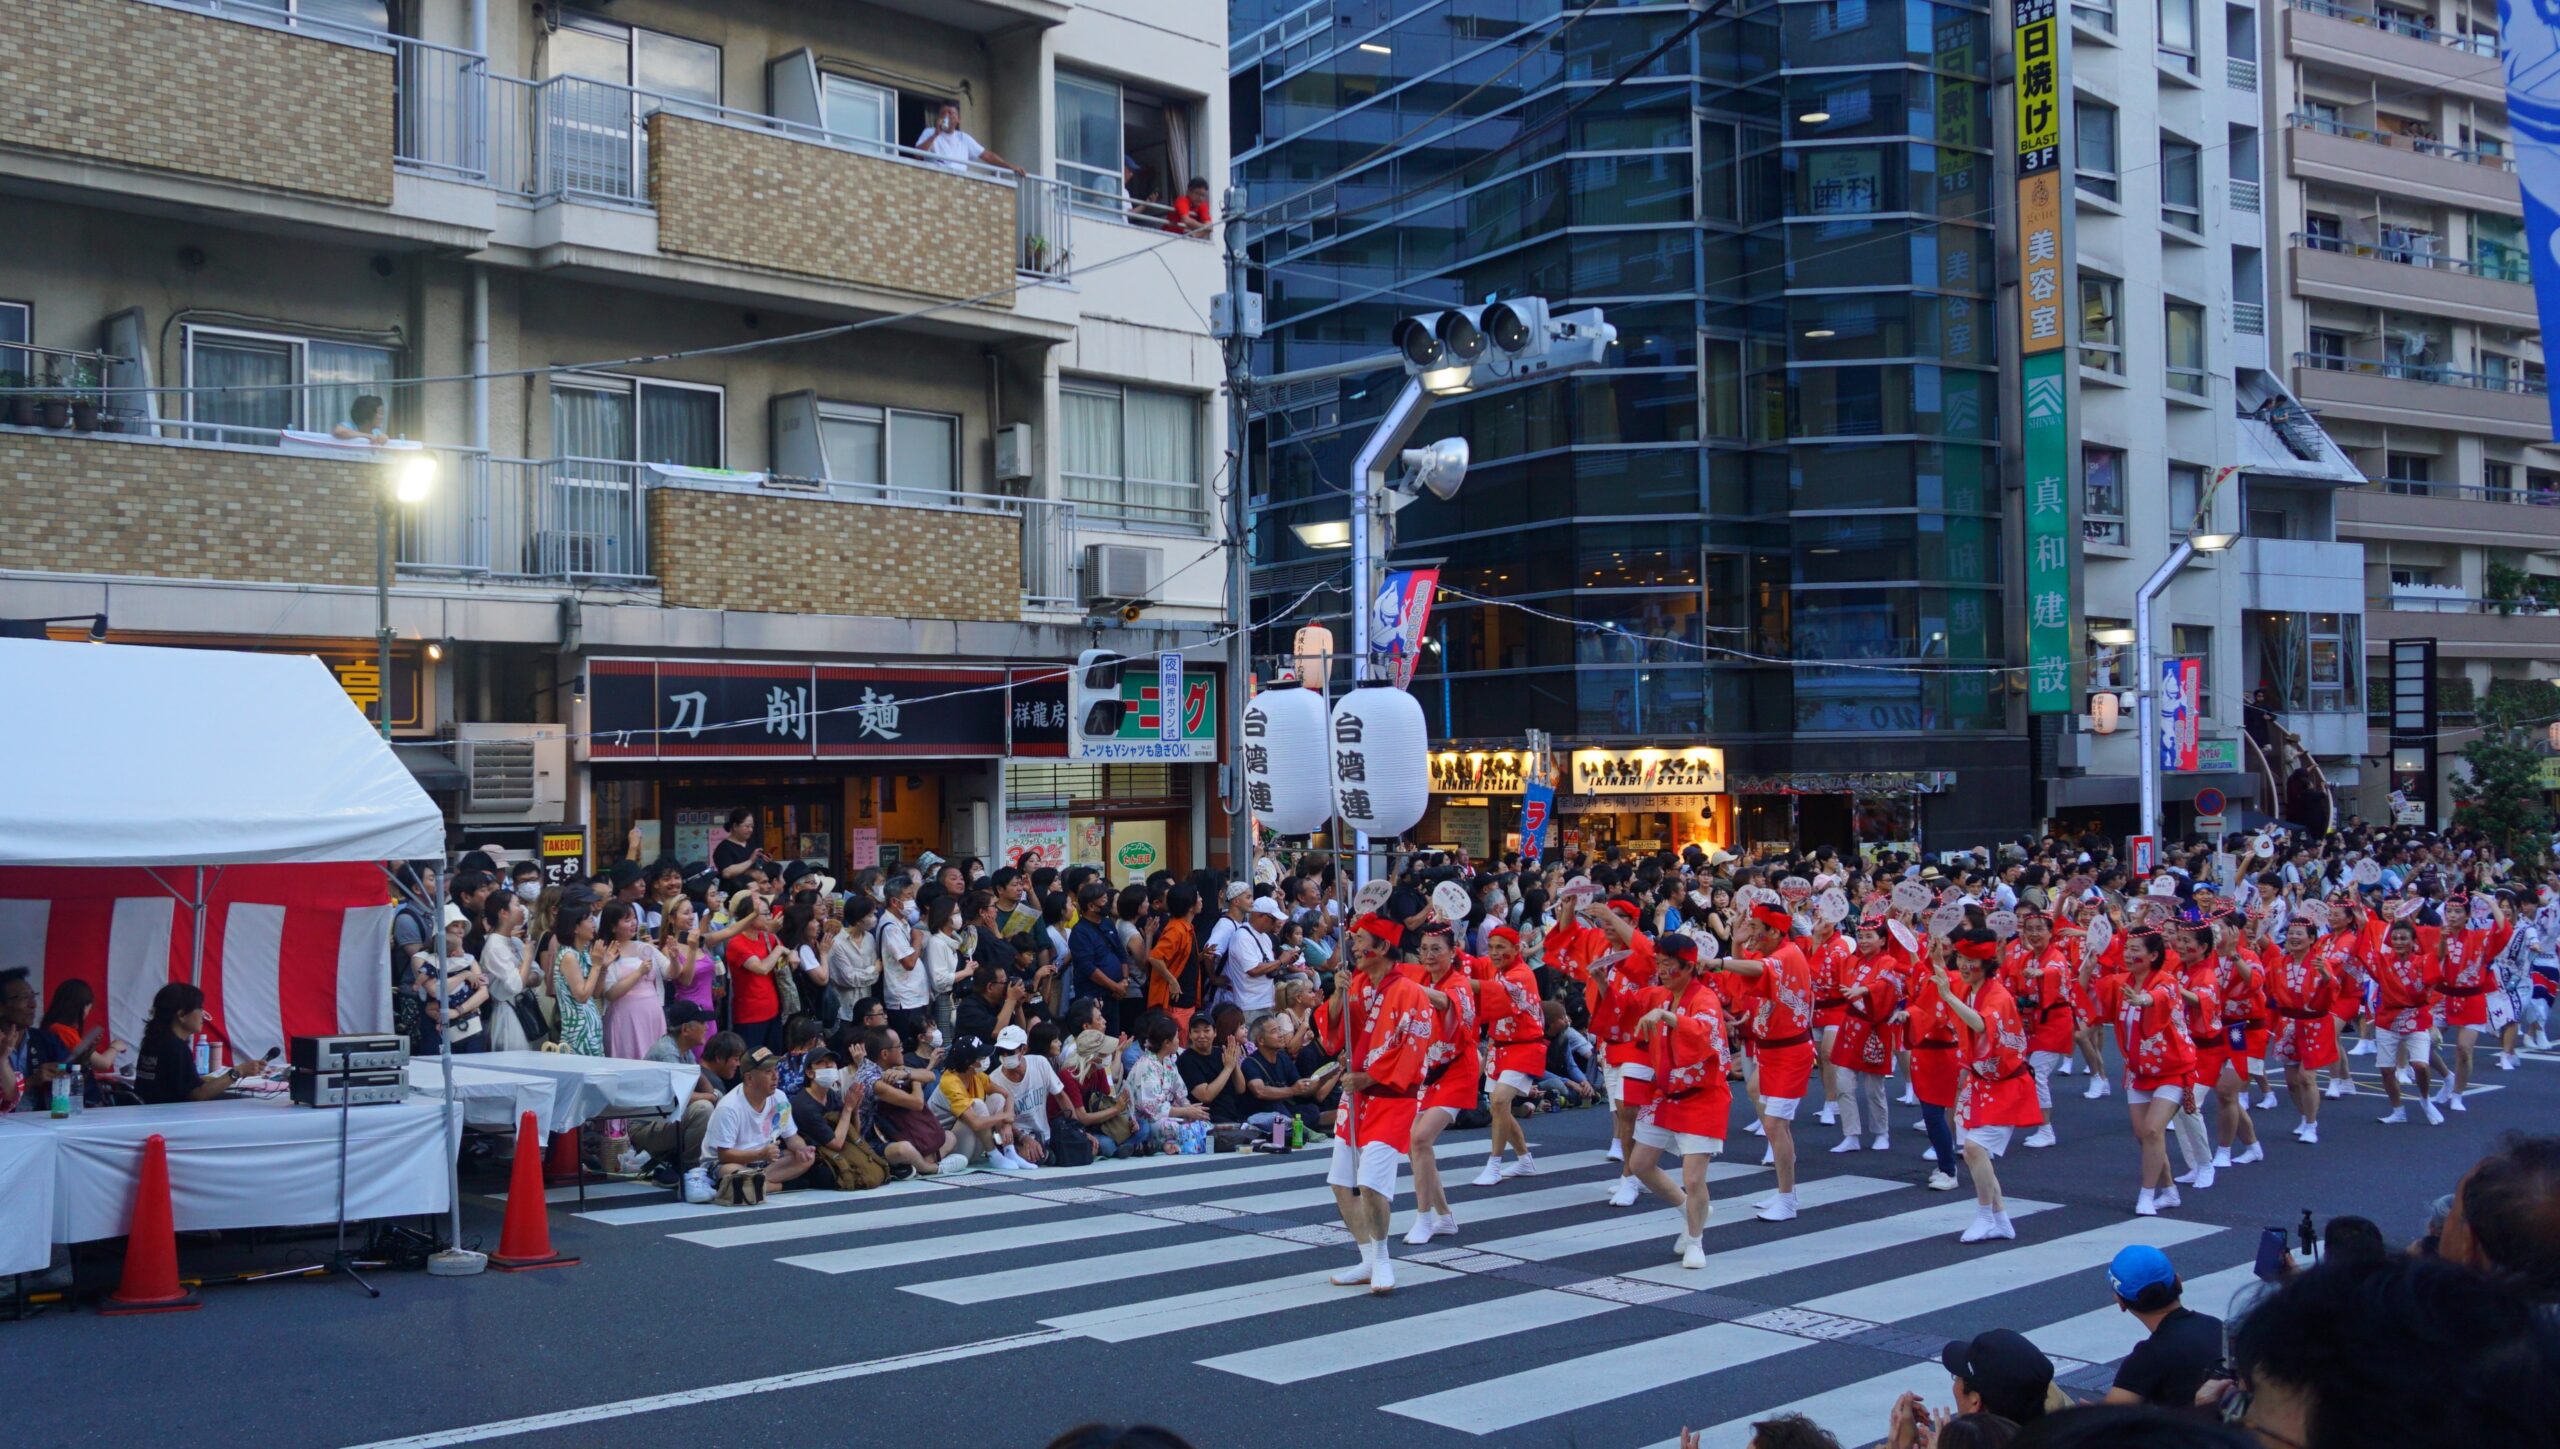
{"points": [[245, 1164], [585, 1088], [490, 1098], [27, 1165]]}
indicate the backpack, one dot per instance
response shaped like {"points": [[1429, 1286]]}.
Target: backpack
{"points": [[856, 1167], [1069, 1144]]}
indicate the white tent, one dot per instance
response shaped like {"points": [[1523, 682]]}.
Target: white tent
{"points": [[121, 755]]}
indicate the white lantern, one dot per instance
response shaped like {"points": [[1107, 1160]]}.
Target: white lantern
{"points": [[1381, 760], [1314, 650], [1284, 760]]}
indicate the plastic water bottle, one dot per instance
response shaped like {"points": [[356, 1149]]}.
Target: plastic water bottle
{"points": [[1280, 1131], [60, 1105], [79, 1089], [204, 1055]]}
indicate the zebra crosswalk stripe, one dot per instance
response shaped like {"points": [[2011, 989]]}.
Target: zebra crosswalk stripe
{"points": [[2021, 1266]]}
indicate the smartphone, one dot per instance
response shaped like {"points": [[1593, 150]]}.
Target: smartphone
{"points": [[2272, 1255]]}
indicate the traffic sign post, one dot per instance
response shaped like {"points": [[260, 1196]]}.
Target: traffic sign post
{"points": [[2209, 801]]}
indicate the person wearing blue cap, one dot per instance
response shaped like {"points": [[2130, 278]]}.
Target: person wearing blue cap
{"points": [[2169, 1366]]}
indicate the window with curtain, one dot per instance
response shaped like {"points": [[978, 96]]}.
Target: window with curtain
{"points": [[1089, 154], [1131, 152], [1132, 454], [2095, 127], [2101, 323], [2186, 486], [2185, 344], [269, 367], [625, 420], [591, 422], [870, 446], [2102, 495]]}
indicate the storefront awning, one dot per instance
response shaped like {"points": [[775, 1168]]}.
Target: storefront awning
{"points": [[2071, 790]]}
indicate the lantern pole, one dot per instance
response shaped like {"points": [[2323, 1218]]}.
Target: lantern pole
{"points": [[1369, 540]]}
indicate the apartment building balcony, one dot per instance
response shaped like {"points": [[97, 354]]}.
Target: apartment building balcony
{"points": [[2336, 270], [217, 504], [2300, 576], [2463, 628], [301, 123], [2355, 38], [2404, 511], [986, 17], [2365, 159], [2418, 395]]}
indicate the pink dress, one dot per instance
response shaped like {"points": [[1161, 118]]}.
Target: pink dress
{"points": [[635, 1020]]}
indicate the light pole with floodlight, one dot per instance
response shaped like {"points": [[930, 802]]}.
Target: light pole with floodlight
{"points": [[2146, 686], [412, 479]]}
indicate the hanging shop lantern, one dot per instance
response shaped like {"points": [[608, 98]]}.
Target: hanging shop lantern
{"points": [[1314, 650], [1381, 760], [2102, 712], [1284, 760]]}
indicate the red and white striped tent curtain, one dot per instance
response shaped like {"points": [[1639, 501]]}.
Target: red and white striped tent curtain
{"points": [[289, 950]]}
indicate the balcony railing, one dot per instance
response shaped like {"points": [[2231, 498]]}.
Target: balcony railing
{"points": [[2448, 599], [2244, 74], [2249, 319], [2401, 141], [2502, 265], [1044, 226], [2244, 195], [2480, 45], [2475, 492], [2421, 372]]}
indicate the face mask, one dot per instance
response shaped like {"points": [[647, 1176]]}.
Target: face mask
{"points": [[1013, 1063], [914, 916], [529, 890], [830, 1078]]}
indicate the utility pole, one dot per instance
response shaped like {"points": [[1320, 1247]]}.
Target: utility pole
{"points": [[1236, 319]]}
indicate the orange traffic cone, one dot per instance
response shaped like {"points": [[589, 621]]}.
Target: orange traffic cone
{"points": [[525, 1241], [563, 1166], [150, 1283]]}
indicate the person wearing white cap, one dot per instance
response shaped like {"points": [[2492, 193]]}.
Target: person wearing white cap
{"points": [[1252, 963], [1029, 1080]]}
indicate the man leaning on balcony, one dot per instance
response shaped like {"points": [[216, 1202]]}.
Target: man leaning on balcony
{"points": [[954, 148]]}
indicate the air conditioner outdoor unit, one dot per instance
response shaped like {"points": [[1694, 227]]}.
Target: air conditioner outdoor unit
{"points": [[1013, 454], [1121, 572], [512, 771]]}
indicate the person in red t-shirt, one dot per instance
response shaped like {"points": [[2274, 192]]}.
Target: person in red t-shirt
{"points": [[1684, 1039], [1996, 1091], [1515, 1022], [2404, 978], [1191, 209], [1870, 991], [2150, 1023], [754, 955], [1379, 1025], [1452, 1077], [1781, 981], [2303, 1039]]}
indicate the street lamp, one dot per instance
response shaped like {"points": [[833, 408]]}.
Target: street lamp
{"points": [[411, 479], [2146, 685]]}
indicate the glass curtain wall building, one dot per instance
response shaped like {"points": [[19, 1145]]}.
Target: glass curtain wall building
{"points": [[1771, 524]]}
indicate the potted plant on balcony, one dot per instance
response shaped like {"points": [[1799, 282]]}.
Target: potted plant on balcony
{"points": [[18, 408], [2505, 584], [84, 398], [54, 408], [1036, 253]]}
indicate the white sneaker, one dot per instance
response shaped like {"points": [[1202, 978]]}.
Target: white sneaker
{"points": [[2146, 1205], [1881, 1142], [2443, 1092], [1829, 1115], [1755, 1129], [2041, 1137], [2254, 1152], [1382, 1274], [1768, 1157], [1492, 1175], [2001, 1227], [1445, 1225], [2337, 1088], [1907, 1099], [2310, 1134], [2455, 1102], [2267, 1101], [953, 1166], [1624, 1194], [2361, 1049], [2097, 1089], [2204, 1179], [2506, 1061], [1695, 1255], [1979, 1229], [1942, 1182], [2167, 1197], [2222, 1156], [2434, 1117], [1776, 1209], [1680, 1242], [2394, 1117], [1423, 1224], [1525, 1166], [1848, 1144], [1357, 1273], [1928, 1154], [2405, 1078], [1617, 1150], [2297, 1130], [2068, 1068], [2189, 1176]]}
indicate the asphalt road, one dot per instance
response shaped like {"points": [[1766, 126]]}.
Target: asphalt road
{"points": [[998, 1310]]}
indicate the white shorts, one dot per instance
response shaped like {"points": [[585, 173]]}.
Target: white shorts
{"points": [[2388, 1047], [1373, 1167], [1782, 1109], [1992, 1140], [1517, 1081], [2198, 1095], [2045, 1063], [1614, 1077], [2252, 1067], [2136, 1097], [1684, 1144]]}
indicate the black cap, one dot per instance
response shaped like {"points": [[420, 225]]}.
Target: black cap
{"points": [[625, 875], [681, 1014], [2009, 1373], [791, 873]]}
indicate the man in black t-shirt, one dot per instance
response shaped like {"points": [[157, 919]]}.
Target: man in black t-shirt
{"points": [[2168, 1367], [1215, 1076]]}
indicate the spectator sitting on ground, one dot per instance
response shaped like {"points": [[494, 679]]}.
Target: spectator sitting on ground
{"points": [[2167, 1367], [750, 1144], [1028, 1081], [802, 1035], [2408, 1353], [1271, 1079], [977, 1117], [895, 1120], [676, 1140], [2506, 1215], [1156, 1091], [1094, 1112], [1996, 1373], [682, 1044], [1213, 1069]]}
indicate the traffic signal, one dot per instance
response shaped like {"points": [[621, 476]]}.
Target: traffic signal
{"points": [[1431, 341], [1094, 694]]}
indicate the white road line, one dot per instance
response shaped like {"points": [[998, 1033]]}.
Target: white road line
{"points": [[968, 1245], [1983, 1275], [1298, 1360], [1857, 1411], [1640, 1224], [1550, 1389], [672, 1211], [1152, 1317], [1812, 1250], [715, 1393]]}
